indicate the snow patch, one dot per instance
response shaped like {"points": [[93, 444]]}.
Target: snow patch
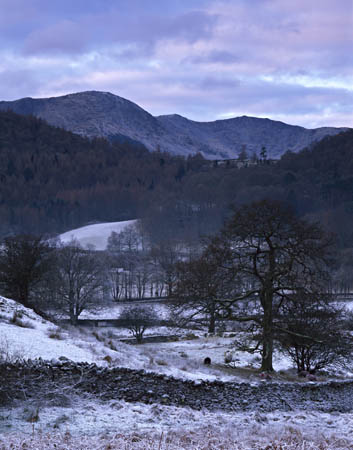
{"points": [[95, 235]]}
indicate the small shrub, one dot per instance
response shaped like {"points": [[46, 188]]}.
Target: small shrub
{"points": [[190, 336], [60, 420], [97, 336], [16, 319], [138, 319], [112, 346], [7, 355], [161, 362], [56, 335], [108, 359], [31, 415]]}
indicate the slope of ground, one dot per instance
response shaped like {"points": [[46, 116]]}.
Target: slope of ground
{"points": [[25, 335], [95, 235]]}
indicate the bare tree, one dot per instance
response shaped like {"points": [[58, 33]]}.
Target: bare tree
{"points": [[24, 261], [199, 293], [275, 254], [137, 319], [164, 257], [311, 332], [77, 279], [129, 274]]}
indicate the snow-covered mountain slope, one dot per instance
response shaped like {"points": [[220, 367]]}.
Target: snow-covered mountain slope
{"points": [[106, 115], [95, 235]]}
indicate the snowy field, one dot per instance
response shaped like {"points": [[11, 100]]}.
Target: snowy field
{"points": [[95, 235], [91, 424], [120, 425], [33, 337]]}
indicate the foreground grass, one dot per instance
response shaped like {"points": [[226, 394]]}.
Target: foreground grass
{"points": [[256, 438]]}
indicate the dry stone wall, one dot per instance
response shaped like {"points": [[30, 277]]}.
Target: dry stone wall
{"points": [[38, 379]]}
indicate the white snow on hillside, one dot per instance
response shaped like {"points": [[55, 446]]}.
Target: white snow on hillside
{"points": [[96, 234], [25, 335]]}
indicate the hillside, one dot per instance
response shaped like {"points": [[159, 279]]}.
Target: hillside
{"points": [[102, 114], [52, 180], [95, 235]]}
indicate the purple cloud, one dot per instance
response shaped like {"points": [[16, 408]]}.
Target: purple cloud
{"points": [[204, 59]]}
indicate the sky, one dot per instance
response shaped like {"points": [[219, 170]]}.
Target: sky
{"points": [[204, 59]]}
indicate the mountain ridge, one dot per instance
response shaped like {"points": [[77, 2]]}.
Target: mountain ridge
{"points": [[103, 114]]}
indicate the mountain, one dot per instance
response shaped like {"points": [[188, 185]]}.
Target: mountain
{"points": [[102, 114]]}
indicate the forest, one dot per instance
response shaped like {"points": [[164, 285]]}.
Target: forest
{"points": [[53, 180]]}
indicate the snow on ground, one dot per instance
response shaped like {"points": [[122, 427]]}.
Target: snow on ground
{"points": [[96, 235], [30, 336], [91, 424], [117, 424], [24, 334], [113, 310]]}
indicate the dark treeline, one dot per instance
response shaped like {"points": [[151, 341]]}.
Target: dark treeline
{"points": [[317, 183], [52, 180]]}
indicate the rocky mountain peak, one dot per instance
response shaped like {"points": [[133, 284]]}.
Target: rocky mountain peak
{"points": [[103, 114]]}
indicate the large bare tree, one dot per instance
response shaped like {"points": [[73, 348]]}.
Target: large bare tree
{"points": [[274, 254], [77, 279]]}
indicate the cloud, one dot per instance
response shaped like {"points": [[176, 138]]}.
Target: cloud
{"points": [[204, 59], [108, 29], [63, 37], [214, 57]]}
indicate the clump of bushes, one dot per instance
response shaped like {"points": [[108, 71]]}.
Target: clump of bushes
{"points": [[16, 319], [108, 359], [55, 334]]}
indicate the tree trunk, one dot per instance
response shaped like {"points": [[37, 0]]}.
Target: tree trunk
{"points": [[212, 322], [267, 339]]}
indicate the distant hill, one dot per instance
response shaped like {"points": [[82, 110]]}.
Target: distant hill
{"points": [[96, 234], [101, 114]]}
